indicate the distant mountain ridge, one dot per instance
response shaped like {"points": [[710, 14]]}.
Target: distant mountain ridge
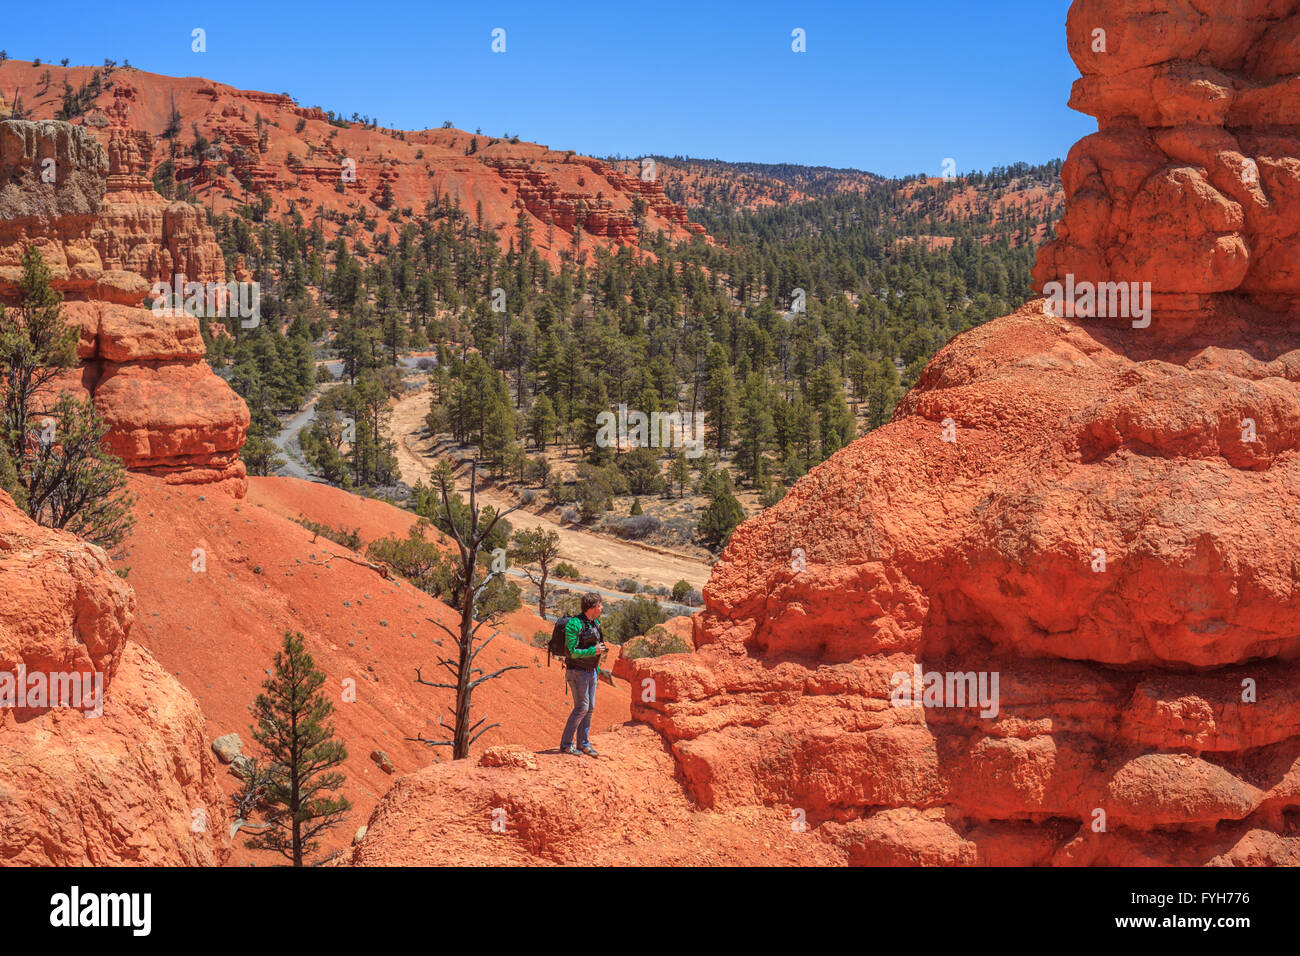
{"points": [[231, 149]]}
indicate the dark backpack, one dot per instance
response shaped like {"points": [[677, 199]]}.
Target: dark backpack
{"points": [[559, 643]]}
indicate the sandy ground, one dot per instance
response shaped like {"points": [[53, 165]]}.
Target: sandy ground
{"points": [[596, 556]]}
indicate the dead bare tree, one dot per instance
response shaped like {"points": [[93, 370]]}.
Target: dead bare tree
{"points": [[466, 676]]}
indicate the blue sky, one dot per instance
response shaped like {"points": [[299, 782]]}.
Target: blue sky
{"points": [[890, 87]]}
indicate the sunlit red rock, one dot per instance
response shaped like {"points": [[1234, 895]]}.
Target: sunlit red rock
{"points": [[135, 784], [107, 237]]}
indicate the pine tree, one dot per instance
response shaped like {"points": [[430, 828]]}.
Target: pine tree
{"points": [[542, 422], [291, 727], [756, 431], [720, 401], [539, 547], [54, 462]]}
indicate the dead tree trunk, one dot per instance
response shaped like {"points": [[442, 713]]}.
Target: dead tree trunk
{"points": [[467, 677]]}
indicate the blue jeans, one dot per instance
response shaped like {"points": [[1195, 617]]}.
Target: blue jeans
{"points": [[582, 684]]}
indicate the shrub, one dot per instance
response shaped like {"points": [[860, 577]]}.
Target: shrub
{"points": [[655, 644], [418, 559], [720, 518], [627, 586], [565, 570], [772, 494], [528, 496], [680, 590], [626, 619], [571, 516], [636, 527], [349, 539]]}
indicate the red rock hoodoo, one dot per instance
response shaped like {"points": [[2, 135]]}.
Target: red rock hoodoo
{"points": [[1097, 514], [135, 784], [107, 237], [1192, 182]]}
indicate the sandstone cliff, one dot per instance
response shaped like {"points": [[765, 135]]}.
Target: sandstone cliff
{"points": [[136, 784], [264, 147], [107, 237]]}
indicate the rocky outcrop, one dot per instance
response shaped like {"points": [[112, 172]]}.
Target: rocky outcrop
{"points": [[107, 237], [1192, 182], [1047, 615], [134, 783], [139, 231]]}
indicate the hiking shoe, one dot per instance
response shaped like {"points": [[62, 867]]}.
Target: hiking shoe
{"points": [[571, 751], [590, 751]]}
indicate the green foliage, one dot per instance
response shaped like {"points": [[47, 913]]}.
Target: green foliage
{"points": [[52, 461], [655, 643], [422, 561], [349, 539], [623, 620], [720, 518], [292, 729]]}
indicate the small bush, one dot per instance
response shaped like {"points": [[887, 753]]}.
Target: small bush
{"points": [[571, 516], [655, 644], [626, 619], [636, 527], [680, 590], [349, 539], [565, 570], [627, 586], [528, 496]]}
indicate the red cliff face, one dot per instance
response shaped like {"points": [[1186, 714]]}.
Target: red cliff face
{"points": [[134, 784], [266, 148], [107, 237]]}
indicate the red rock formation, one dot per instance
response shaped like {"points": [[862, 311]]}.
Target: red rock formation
{"points": [[136, 784], [139, 231], [107, 239], [1192, 182], [1100, 516]]}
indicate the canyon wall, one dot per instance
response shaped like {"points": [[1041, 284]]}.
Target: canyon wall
{"points": [[265, 148]]}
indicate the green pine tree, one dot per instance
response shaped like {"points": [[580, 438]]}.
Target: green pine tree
{"points": [[292, 729]]}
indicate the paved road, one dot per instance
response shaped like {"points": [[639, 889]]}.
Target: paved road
{"points": [[287, 442]]}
